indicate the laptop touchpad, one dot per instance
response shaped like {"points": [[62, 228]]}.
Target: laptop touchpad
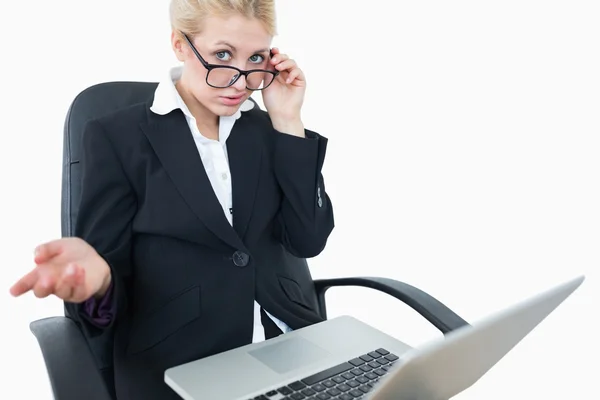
{"points": [[289, 354]]}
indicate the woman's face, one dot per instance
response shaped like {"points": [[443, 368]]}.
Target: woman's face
{"points": [[233, 41]]}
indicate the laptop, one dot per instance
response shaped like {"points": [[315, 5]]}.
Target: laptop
{"points": [[346, 359]]}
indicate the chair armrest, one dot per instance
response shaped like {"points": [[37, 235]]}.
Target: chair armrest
{"points": [[71, 368], [433, 310]]}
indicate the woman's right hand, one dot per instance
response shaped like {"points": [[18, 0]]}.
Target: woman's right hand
{"points": [[68, 268]]}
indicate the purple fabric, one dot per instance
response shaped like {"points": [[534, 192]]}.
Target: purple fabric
{"points": [[100, 311]]}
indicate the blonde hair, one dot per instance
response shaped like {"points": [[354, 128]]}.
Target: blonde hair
{"points": [[187, 15]]}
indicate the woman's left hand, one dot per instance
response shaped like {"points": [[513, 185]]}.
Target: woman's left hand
{"points": [[284, 97]]}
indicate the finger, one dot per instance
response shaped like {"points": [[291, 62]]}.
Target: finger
{"points": [[64, 291], [45, 252], [286, 65], [295, 77], [66, 284], [80, 292], [279, 58], [282, 77], [25, 284], [44, 285]]}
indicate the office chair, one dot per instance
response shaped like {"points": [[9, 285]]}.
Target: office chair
{"points": [[67, 353]]}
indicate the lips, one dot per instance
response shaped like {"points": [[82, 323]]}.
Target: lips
{"points": [[233, 100], [234, 97]]}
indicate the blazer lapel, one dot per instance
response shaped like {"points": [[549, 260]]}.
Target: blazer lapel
{"points": [[174, 145], [244, 151]]}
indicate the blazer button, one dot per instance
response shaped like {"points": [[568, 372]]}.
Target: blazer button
{"points": [[240, 258]]}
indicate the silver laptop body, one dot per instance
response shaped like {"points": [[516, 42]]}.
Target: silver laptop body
{"points": [[345, 359]]}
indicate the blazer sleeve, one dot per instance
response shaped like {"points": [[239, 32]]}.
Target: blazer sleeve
{"points": [[305, 220], [104, 219]]}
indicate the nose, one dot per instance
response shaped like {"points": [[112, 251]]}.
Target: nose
{"points": [[240, 84]]}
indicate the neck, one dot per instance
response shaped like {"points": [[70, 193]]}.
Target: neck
{"points": [[204, 117]]}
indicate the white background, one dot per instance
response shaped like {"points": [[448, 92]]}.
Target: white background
{"points": [[464, 158]]}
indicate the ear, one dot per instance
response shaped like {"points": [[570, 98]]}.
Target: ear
{"points": [[178, 45]]}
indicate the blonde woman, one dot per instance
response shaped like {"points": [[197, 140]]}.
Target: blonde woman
{"points": [[198, 208]]}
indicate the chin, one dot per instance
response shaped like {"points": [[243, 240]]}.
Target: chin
{"points": [[223, 110], [227, 111]]}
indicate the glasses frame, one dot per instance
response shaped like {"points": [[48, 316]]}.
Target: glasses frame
{"points": [[209, 67]]}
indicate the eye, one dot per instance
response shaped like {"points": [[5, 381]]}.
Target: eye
{"points": [[223, 55], [257, 59]]}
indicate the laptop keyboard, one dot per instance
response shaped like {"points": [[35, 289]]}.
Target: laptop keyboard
{"points": [[350, 380]]}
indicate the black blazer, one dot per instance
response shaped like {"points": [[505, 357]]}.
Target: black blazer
{"points": [[184, 278]]}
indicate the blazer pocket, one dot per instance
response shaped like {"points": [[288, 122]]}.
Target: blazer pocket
{"points": [[149, 330], [294, 292]]}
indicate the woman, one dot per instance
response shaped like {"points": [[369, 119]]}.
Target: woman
{"points": [[197, 207]]}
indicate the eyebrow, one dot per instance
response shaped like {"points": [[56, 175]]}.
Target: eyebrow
{"points": [[223, 42]]}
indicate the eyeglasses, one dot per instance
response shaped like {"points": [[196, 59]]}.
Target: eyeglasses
{"points": [[223, 76]]}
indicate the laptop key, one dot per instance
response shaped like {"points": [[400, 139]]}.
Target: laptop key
{"points": [[371, 375], [285, 390], [346, 396], [364, 388], [272, 393], [383, 352], [357, 362], [343, 387], [326, 374], [318, 387], [308, 392], [296, 385], [366, 358]]}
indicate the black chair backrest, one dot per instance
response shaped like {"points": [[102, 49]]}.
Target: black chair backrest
{"points": [[94, 102]]}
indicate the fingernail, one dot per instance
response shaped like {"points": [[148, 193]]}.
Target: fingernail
{"points": [[70, 269]]}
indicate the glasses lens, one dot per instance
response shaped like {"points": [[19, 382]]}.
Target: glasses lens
{"points": [[259, 80], [222, 77], [225, 77]]}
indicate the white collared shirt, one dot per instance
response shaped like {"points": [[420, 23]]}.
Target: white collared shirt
{"points": [[215, 160]]}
